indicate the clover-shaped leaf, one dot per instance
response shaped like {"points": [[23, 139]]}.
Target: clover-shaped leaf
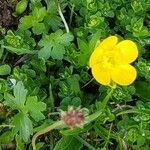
{"points": [[34, 108], [54, 45]]}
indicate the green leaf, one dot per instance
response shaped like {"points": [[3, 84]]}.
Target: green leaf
{"points": [[141, 140], [53, 21], [67, 101], [19, 143], [83, 46], [57, 52], [17, 101], [20, 94], [44, 125], [83, 56], [40, 145], [39, 14], [39, 28], [34, 21], [76, 131], [74, 84], [23, 125], [1, 51], [18, 51], [68, 143], [34, 108], [10, 101], [94, 40], [132, 134], [52, 18], [143, 90], [6, 137], [54, 45], [65, 39], [45, 52], [5, 69], [26, 22], [93, 116]]}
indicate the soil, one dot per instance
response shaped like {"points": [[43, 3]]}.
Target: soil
{"points": [[6, 9]]}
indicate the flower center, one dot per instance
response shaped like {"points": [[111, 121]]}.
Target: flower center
{"points": [[109, 60]]}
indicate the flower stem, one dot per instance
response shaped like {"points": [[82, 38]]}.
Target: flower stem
{"points": [[103, 105], [61, 15], [108, 135], [5, 125], [51, 97], [128, 111], [48, 129], [71, 15], [106, 99], [87, 83]]}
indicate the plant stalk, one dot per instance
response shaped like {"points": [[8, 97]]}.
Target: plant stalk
{"points": [[62, 16], [48, 129]]}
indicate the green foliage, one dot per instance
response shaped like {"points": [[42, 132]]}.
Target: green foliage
{"points": [[143, 90], [54, 45], [17, 101], [34, 108], [5, 69], [23, 125], [19, 42], [143, 67], [123, 93], [21, 7], [19, 143], [34, 21], [44, 70], [27, 107], [67, 101], [52, 19], [68, 143]]}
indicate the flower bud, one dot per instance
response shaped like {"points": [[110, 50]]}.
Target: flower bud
{"points": [[21, 7], [74, 117]]}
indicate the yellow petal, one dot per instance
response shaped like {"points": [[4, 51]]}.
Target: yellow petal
{"points": [[109, 43], [106, 44], [95, 56], [101, 75], [123, 74], [128, 50]]}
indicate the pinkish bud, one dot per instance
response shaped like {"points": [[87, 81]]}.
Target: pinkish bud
{"points": [[73, 117]]}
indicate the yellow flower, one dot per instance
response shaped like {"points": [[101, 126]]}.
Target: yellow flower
{"points": [[110, 61]]}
